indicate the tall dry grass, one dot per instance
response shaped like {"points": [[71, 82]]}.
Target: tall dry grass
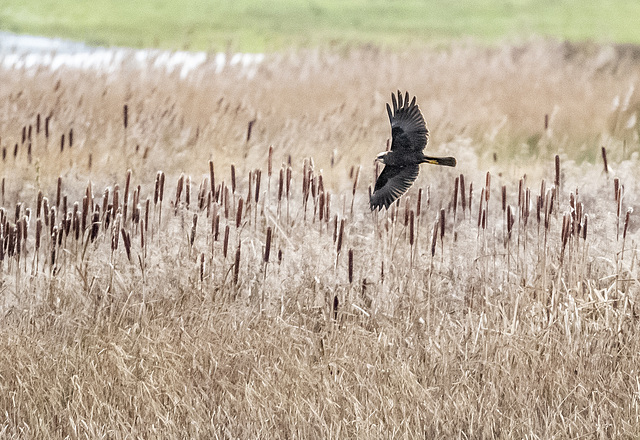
{"points": [[264, 300]]}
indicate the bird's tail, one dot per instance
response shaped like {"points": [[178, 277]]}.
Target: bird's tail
{"points": [[446, 161]]}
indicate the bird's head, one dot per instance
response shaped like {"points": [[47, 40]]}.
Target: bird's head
{"points": [[381, 156]]}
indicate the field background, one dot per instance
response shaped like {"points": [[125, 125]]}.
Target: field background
{"points": [[356, 327], [247, 25]]}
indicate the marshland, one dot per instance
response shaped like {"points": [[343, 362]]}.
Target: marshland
{"points": [[194, 256]]}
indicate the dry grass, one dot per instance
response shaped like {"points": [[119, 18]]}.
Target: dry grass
{"points": [[482, 323]]}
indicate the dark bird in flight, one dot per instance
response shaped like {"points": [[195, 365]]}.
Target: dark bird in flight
{"points": [[409, 137]]}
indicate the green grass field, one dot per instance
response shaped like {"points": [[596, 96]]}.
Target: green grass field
{"points": [[264, 26]]}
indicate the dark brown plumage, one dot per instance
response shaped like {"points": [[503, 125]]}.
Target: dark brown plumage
{"points": [[409, 136]]}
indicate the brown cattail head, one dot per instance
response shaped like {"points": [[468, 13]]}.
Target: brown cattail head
{"points": [[225, 244], [38, 233], [434, 238], [280, 184], [411, 227], [604, 160], [487, 193], [616, 186], [270, 161], [455, 195], [233, 179], [626, 223], [58, 192], [125, 114], [334, 309], [236, 265], [470, 196], [267, 246], [418, 204], [212, 179], [161, 186], [442, 223], [557, 179], [288, 181], [193, 229], [187, 191], [179, 188], [350, 266], [126, 239], [504, 198], [239, 213], [339, 246]]}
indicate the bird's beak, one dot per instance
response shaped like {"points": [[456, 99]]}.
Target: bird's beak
{"points": [[380, 157]]}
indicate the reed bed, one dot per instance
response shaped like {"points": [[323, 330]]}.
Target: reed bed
{"points": [[184, 266]]}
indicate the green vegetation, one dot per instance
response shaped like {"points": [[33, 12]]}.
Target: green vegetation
{"points": [[258, 26]]}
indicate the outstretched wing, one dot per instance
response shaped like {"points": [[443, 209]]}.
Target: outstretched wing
{"points": [[392, 182], [408, 128]]}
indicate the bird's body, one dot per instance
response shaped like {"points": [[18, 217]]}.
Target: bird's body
{"points": [[402, 163]]}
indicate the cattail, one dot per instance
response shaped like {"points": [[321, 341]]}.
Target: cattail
{"points": [[604, 160], [288, 181], [38, 233], [95, 225], [557, 179], [161, 186], [321, 206], [270, 162], [38, 124], [456, 184], [24, 134], [418, 204], [62, 143], [59, 190], [258, 178], [334, 309], [125, 200], [411, 227], [226, 201], [125, 112], [442, 224], [233, 179], [179, 190], [236, 266], [126, 239], [626, 224], [546, 121], [616, 186], [193, 229], [470, 196], [226, 241], [280, 184], [239, 213], [15, 151], [480, 208], [350, 266], [250, 128], [538, 208], [504, 198], [156, 192], [487, 193], [484, 218], [216, 228], [70, 137], [267, 246], [187, 192], [339, 246], [46, 126], [212, 179], [434, 238]]}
